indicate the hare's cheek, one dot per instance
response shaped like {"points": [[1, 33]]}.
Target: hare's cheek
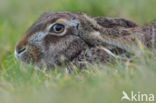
{"points": [[37, 39], [34, 55]]}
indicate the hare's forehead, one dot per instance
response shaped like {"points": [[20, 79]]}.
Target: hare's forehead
{"points": [[67, 22]]}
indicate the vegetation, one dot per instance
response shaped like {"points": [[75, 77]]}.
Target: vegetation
{"points": [[21, 83]]}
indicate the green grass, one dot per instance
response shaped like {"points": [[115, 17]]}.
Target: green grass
{"points": [[21, 83]]}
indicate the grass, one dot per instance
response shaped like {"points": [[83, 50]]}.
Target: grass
{"points": [[21, 83]]}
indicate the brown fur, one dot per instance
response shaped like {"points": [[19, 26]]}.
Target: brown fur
{"points": [[115, 22], [79, 42]]}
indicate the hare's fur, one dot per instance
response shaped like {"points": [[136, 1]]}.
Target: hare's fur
{"points": [[82, 39]]}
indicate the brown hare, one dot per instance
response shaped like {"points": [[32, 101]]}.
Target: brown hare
{"points": [[76, 38]]}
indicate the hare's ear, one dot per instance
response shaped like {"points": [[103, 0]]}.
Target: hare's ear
{"points": [[105, 32], [115, 22]]}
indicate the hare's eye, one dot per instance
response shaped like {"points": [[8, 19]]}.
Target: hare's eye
{"points": [[57, 28]]}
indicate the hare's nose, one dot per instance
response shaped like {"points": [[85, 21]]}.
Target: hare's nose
{"points": [[19, 50]]}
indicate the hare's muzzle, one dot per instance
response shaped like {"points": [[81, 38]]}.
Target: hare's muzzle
{"points": [[20, 47], [20, 50]]}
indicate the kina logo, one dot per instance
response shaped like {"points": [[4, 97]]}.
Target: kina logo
{"points": [[137, 96]]}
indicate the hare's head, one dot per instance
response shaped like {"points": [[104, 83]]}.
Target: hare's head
{"points": [[53, 37]]}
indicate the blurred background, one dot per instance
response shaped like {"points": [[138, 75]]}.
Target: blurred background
{"points": [[19, 84]]}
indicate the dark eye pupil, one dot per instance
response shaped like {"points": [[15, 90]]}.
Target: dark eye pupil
{"points": [[58, 27]]}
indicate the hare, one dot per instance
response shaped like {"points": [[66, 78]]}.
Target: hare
{"points": [[75, 38]]}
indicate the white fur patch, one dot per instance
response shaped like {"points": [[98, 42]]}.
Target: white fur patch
{"points": [[38, 36], [72, 23], [96, 34], [16, 55]]}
